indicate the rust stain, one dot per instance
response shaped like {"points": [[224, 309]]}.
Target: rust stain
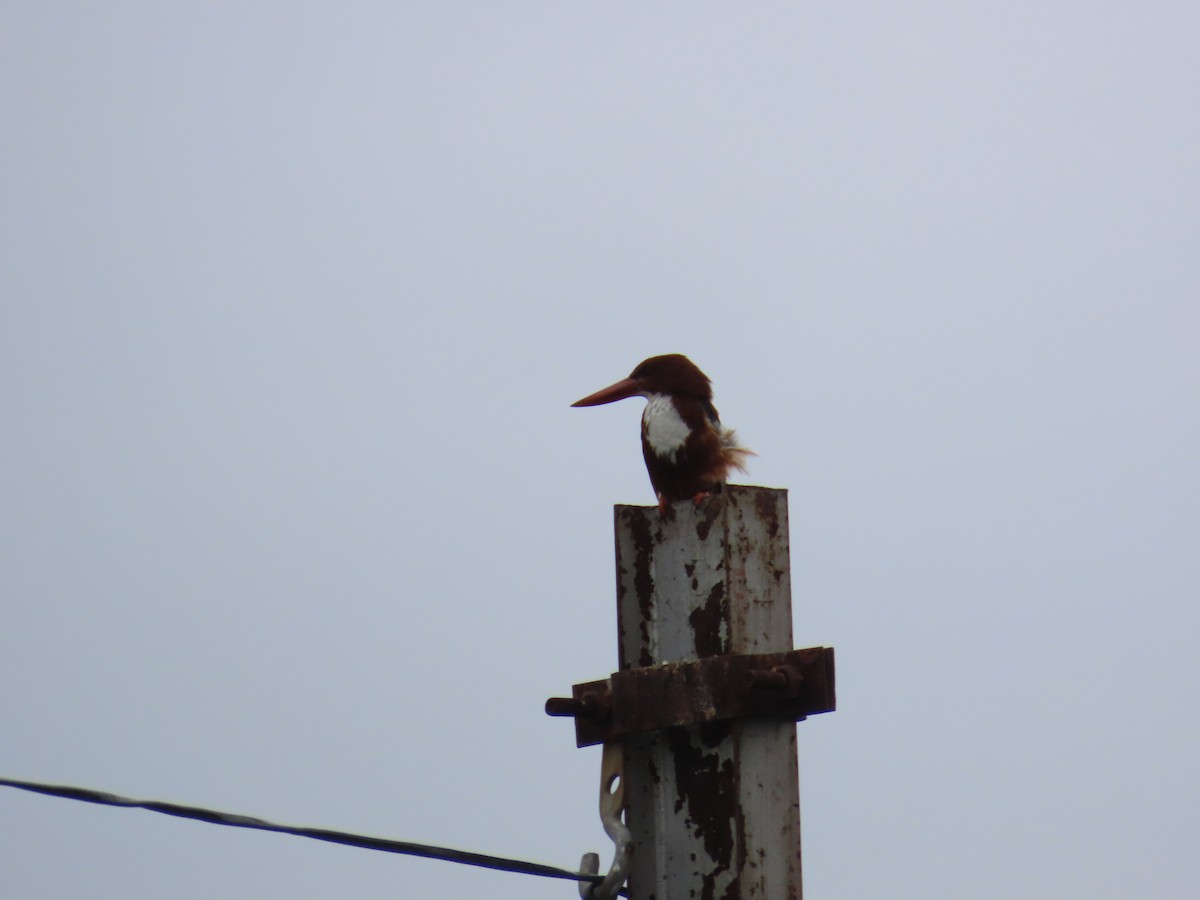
{"points": [[741, 848], [768, 512], [706, 622], [643, 579], [710, 511], [706, 787], [713, 733]]}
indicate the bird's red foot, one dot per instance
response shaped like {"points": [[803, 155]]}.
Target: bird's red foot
{"points": [[664, 508], [701, 497]]}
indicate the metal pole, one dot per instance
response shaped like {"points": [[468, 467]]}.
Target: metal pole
{"points": [[714, 808]]}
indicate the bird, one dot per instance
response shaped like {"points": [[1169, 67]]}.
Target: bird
{"points": [[688, 452]]}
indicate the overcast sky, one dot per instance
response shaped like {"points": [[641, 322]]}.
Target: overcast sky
{"points": [[297, 521]]}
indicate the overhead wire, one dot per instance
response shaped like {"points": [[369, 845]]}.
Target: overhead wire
{"points": [[408, 848]]}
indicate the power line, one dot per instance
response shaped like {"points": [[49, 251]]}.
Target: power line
{"points": [[407, 848]]}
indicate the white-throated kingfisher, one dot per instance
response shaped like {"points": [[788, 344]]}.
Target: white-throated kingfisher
{"points": [[688, 453]]}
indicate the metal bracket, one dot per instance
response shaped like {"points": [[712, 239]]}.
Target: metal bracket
{"points": [[791, 685], [612, 803]]}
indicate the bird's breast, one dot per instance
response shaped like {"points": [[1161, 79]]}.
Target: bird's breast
{"points": [[663, 427]]}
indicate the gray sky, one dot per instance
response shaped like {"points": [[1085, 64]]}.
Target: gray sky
{"points": [[297, 521]]}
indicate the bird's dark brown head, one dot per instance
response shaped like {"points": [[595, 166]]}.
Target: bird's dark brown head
{"points": [[670, 374], [673, 373]]}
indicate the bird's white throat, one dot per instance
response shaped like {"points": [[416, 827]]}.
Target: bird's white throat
{"points": [[666, 432]]}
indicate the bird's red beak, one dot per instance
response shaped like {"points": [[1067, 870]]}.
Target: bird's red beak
{"points": [[626, 387]]}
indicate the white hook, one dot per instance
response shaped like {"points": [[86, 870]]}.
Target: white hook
{"points": [[612, 804]]}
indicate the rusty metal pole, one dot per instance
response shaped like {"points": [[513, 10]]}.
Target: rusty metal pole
{"points": [[714, 808]]}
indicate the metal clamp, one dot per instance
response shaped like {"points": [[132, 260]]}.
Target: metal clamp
{"points": [[612, 804], [789, 685]]}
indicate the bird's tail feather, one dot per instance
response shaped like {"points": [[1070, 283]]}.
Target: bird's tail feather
{"points": [[735, 456]]}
